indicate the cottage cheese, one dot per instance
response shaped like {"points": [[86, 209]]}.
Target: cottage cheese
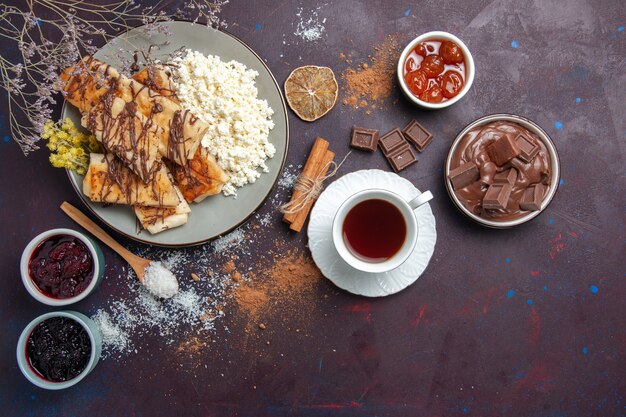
{"points": [[224, 95]]}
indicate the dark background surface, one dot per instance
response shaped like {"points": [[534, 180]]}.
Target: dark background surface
{"points": [[522, 322]]}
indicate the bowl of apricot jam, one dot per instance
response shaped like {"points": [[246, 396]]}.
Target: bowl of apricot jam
{"points": [[435, 70], [61, 267]]}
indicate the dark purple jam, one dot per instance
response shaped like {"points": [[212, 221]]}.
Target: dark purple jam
{"points": [[61, 266], [58, 349]]}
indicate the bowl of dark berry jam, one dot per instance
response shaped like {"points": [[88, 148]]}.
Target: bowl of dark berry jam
{"points": [[435, 70], [59, 349], [61, 266]]}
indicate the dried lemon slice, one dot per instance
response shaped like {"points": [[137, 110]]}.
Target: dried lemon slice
{"points": [[311, 91]]}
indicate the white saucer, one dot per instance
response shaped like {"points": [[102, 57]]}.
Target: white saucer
{"points": [[336, 269]]}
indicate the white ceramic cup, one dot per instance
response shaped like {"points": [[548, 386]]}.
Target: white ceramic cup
{"points": [[406, 209]]}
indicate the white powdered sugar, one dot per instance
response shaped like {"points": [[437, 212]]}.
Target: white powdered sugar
{"points": [[126, 321], [310, 28], [113, 336], [160, 281], [224, 95]]}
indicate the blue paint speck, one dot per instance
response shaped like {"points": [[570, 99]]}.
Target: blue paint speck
{"points": [[510, 293], [6, 138], [507, 260], [578, 100], [529, 302], [558, 125], [465, 410], [33, 396], [257, 26], [546, 288], [585, 350], [407, 13], [514, 44], [550, 221], [561, 181], [593, 289], [620, 28], [39, 22]]}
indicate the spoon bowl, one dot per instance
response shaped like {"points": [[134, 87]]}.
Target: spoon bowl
{"points": [[138, 263]]}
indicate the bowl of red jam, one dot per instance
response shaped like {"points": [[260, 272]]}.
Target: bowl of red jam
{"points": [[61, 267], [435, 70], [59, 349]]}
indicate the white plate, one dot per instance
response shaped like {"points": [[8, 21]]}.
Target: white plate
{"points": [[336, 269], [217, 215]]}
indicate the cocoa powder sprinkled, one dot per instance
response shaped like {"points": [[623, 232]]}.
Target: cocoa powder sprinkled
{"points": [[373, 81], [288, 283], [251, 300]]}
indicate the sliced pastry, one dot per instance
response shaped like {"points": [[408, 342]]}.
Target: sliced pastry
{"points": [[108, 180], [86, 82], [157, 219], [201, 176], [127, 134]]}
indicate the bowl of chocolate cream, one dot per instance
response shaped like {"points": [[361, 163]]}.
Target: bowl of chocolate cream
{"points": [[502, 170]]}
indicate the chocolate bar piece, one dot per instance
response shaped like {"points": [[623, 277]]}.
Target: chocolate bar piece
{"points": [[503, 149], [365, 139], [532, 197], [528, 147], [497, 196], [506, 177], [416, 134], [401, 157], [464, 175], [392, 141]]}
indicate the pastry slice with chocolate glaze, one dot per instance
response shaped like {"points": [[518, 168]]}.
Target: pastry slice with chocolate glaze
{"points": [[157, 219], [201, 176], [159, 79], [108, 180], [85, 83], [127, 134]]}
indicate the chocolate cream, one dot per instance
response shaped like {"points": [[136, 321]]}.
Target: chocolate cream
{"points": [[472, 148]]}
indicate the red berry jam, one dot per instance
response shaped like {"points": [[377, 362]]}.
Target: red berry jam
{"points": [[61, 266], [434, 71], [58, 349]]}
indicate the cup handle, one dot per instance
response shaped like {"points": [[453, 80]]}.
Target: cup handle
{"points": [[421, 199]]}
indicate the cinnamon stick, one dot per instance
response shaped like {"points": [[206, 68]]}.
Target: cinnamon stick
{"points": [[310, 170], [303, 214]]}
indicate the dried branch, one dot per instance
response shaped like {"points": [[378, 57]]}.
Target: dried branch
{"points": [[42, 37]]}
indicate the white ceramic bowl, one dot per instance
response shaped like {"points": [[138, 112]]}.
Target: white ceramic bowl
{"points": [[32, 288], [554, 159], [469, 70], [96, 349]]}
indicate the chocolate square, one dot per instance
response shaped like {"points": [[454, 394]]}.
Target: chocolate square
{"points": [[506, 177], [401, 157], [392, 141], [497, 196], [464, 175], [528, 147], [417, 134], [365, 139], [532, 197], [503, 149]]}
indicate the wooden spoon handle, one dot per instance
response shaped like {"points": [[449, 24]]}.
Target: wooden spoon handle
{"points": [[97, 231]]}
